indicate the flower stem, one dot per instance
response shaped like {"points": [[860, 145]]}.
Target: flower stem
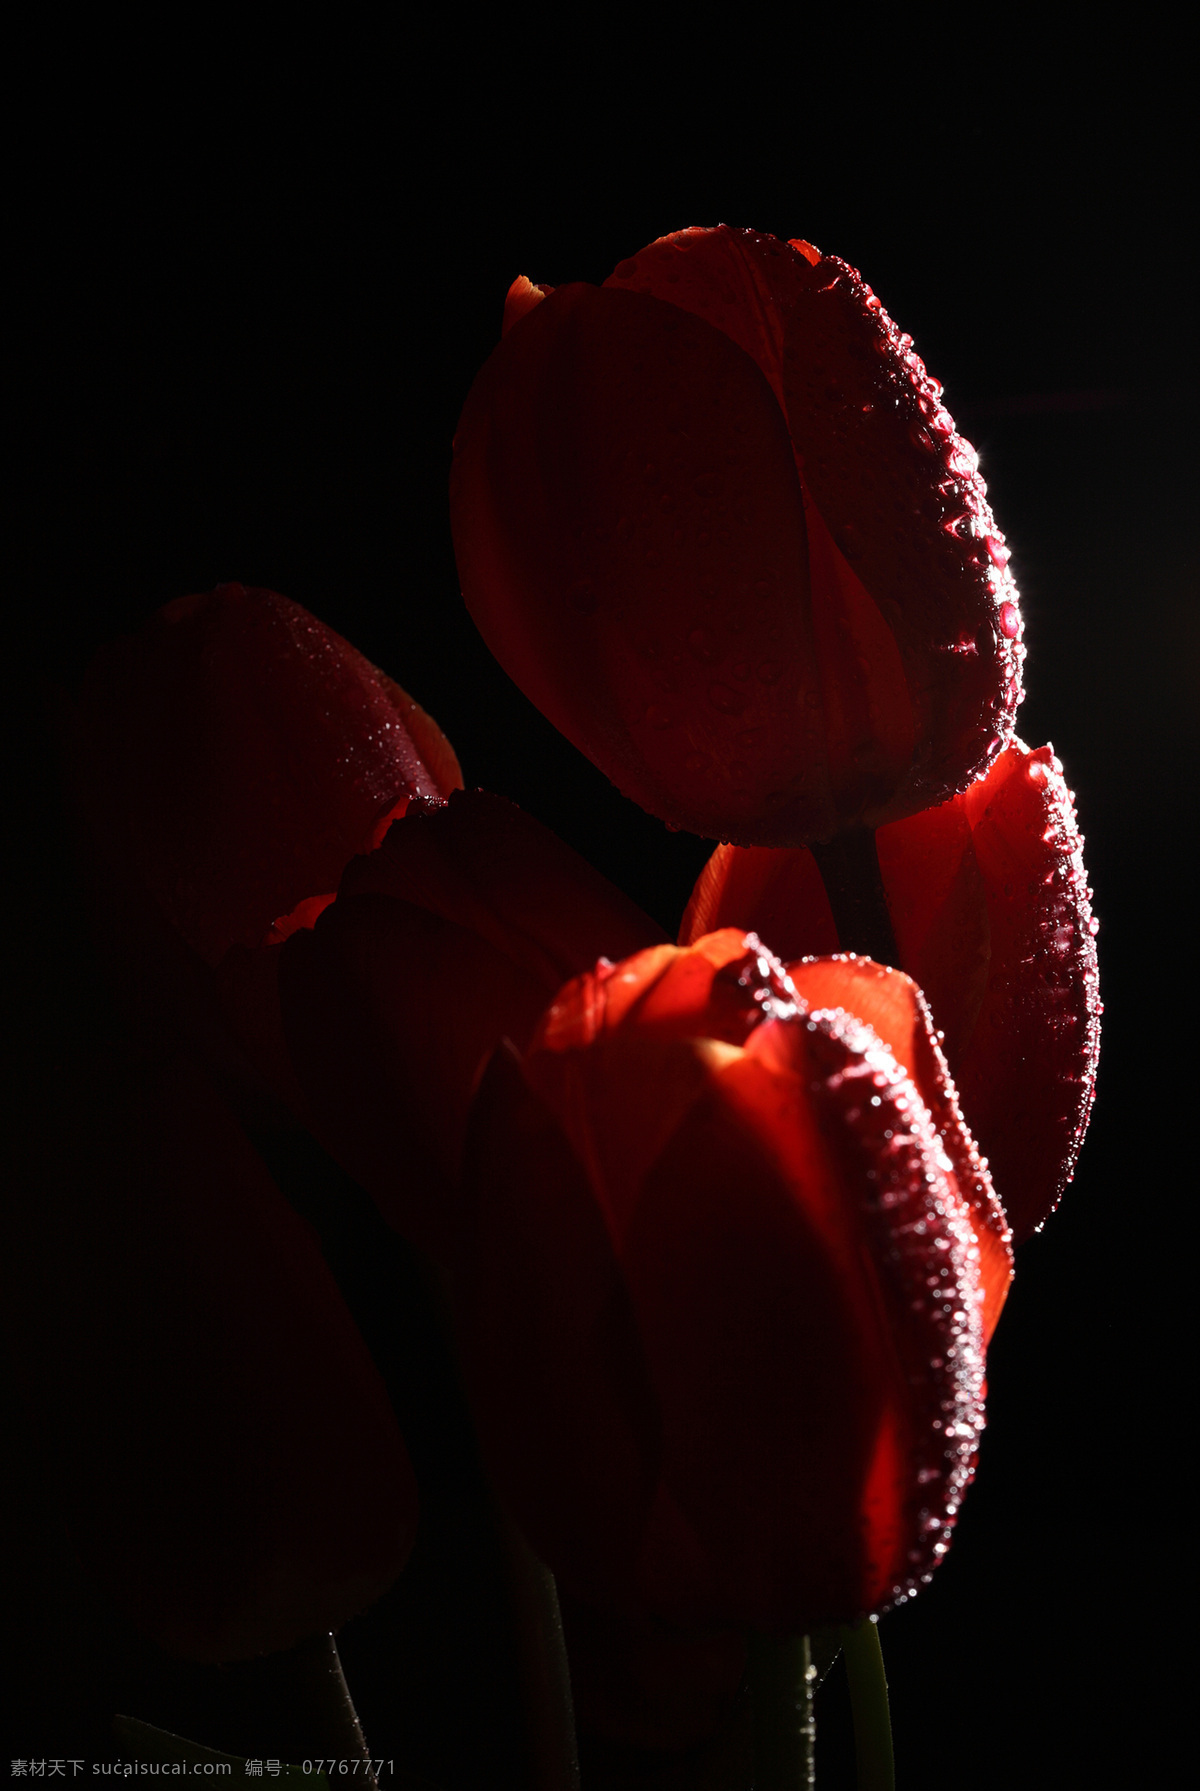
{"points": [[335, 1720], [869, 1707], [782, 1680], [545, 1674], [849, 867]]}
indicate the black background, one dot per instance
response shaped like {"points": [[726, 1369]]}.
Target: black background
{"points": [[255, 283]]}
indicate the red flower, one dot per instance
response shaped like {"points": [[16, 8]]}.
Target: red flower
{"points": [[235, 753], [714, 520], [456, 932], [725, 1319], [990, 908], [229, 1463], [226, 762]]}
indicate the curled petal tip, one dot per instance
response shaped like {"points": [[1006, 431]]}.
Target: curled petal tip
{"points": [[522, 297]]}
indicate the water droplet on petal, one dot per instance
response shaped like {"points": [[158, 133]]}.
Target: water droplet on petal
{"points": [[1010, 621], [961, 458]]}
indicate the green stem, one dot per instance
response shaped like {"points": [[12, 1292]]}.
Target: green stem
{"points": [[782, 1679], [545, 1675], [869, 1707], [335, 1720]]}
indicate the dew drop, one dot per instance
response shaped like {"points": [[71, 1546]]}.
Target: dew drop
{"points": [[960, 458], [1010, 621]]}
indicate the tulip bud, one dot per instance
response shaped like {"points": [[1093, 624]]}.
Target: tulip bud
{"points": [[716, 523], [231, 1469], [990, 907], [723, 1319], [235, 753], [225, 762], [455, 933]]}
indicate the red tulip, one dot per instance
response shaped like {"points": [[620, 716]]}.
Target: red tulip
{"points": [[230, 1466], [456, 932], [990, 908], [235, 753], [725, 1316], [714, 520], [227, 761]]}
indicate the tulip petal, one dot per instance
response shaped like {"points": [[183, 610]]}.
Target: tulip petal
{"points": [[919, 1254], [553, 1355], [230, 1463], [390, 1014], [875, 449], [894, 1008], [779, 895], [483, 863], [1025, 1059], [772, 1415], [630, 537], [823, 1415], [607, 1058], [455, 933]]}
